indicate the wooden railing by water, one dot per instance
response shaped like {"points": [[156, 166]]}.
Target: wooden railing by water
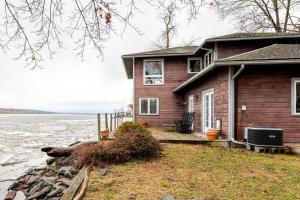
{"points": [[111, 121]]}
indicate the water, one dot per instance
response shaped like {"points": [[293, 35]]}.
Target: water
{"points": [[22, 137]]}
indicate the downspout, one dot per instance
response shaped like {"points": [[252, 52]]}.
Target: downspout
{"points": [[232, 102], [133, 76]]}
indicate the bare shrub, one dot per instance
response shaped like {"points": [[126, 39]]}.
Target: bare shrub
{"points": [[132, 141]]}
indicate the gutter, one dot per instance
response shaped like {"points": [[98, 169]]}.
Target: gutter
{"points": [[133, 78], [232, 78]]}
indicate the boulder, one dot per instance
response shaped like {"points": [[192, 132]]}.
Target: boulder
{"points": [[40, 194], [55, 192], [33, 180]]}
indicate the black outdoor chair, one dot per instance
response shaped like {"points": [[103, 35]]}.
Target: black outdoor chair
{"points": [[185, 124]]}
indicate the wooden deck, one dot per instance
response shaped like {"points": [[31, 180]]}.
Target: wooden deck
{"points": [[170, 136]]}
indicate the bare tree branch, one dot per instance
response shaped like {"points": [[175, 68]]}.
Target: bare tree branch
{"points": [[262, 15]]}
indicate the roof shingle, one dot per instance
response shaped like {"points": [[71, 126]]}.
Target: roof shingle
{"points": [[165, 52], [273, 52]]}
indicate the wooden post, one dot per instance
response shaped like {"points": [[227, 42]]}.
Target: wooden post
{"points": [[110, 123], [99, 126], [115, 121], [106, 122], [122, 118]]}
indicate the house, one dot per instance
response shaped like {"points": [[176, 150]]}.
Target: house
{"points": [[230, 82]]}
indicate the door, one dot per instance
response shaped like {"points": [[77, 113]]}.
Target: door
{"points": [[191, 107], [207, 110]]}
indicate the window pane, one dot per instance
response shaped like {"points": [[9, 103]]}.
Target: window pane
{"points": [[195, 65], [153, 68], [153, 80], [298, 97], [153, 106], [144, 106]]}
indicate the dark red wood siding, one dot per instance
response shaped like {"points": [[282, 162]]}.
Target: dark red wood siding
{"points": [[171, 106], [233, 48], [217, 80], [266, 91]]}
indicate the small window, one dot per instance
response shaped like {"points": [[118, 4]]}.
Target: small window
{"points": [[209, 58], [194, 65], [296, 96], [149, 106], [153, 72]]}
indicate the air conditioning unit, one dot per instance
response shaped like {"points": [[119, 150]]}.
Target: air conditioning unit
{"points": [[263, 136]]}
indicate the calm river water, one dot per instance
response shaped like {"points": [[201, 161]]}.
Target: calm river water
{"points": [[22, 137]]}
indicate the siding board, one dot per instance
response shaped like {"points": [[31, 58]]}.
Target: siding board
{"points": [[266, 91]]}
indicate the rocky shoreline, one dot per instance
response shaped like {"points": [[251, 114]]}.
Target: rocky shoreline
{"points": [[49, 182]]}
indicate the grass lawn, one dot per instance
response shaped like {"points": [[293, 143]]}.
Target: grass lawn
{"points": [[195, 171]]}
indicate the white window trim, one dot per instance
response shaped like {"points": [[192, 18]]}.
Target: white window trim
{"points": [[148, 99], [163, 71], [213, 59], [293, 105], [189, 65], [202, 107]]}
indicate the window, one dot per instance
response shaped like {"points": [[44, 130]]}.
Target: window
{"points": [[209, 58], [296, 96], [194, 65], [153, 72], [149, 106]]}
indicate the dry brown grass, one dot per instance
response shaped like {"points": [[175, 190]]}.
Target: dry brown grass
{"points": [[195, 171]]}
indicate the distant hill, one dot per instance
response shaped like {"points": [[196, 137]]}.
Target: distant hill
{"points": [[22, 111]]}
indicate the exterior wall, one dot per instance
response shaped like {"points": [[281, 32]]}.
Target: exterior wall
{"points": [[170, 105], [233, 48], [266, 91], [218, 80]]}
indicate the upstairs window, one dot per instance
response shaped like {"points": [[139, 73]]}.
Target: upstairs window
{"points": [[194, 65], [149, 106], [153, 72], [209, 58], [296, 96]]}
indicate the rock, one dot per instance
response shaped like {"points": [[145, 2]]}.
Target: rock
{"points": [[50, 161], [167, 197], [40, 194], [48, 180], [64, 161], [33, 180], [67, 171], [21, 184], [36, 188], [102, 172], [64, 182], [69, 174], [55, 192]]}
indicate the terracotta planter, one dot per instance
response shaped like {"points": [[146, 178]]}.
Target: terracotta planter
{"points": [[105, 134], [212, 134], [143, 124]]}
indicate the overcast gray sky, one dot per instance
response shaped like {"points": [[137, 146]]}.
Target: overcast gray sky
{"points": [[67, 84]]}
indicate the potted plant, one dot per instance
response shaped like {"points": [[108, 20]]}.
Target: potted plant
{"points": [[212, 134], [105, 134], [144, 124]]}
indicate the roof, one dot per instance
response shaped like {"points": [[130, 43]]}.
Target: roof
{"points": [[253, 36], [175, 51], [192, 50], [274, 54], [165, 52]]}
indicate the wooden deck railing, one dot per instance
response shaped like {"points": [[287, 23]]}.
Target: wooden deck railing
{"points": [[109, 122]]}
